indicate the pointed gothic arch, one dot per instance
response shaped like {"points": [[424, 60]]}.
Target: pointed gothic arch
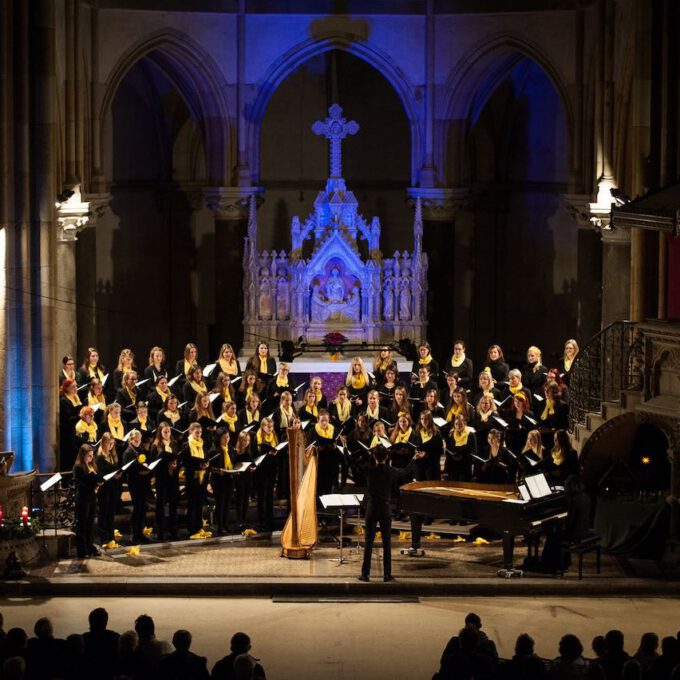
{"points": [[304, 51], [472, 82], [200, 83]]}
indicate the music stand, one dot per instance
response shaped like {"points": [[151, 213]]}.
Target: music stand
{"points": [[341, 501], [51, 483]]}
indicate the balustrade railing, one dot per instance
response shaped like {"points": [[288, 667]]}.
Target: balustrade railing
{"points": [[610, 362]]}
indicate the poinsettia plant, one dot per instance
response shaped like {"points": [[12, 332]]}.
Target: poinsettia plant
{"points": [[335, 341]]}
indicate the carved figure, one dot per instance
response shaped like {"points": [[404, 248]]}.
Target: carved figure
{"points": [[404, 302]]}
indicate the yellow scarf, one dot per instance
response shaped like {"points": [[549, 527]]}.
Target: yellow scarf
{"points": [[358, 381], [426, 361], [461, 438], [286, 417], [173, 416], [249, 391], [132, 395], [263, 364], [197, 387], [142, 423], [267, 438], [188, 366], [457, 362], [93, 399], [549, 409], [375, 413], [517, 389], [116, 428], [228, 368], [403, 437], [91, 429], [167, 446], [228, 465], [314, 410], [425, 437], [557, 456], [455, 410], [567, 364], [95, 372], [485, 415], [162, 395], [319, 396], [281, 382], [376, 441], [343, 410], [230, 421], [74, 399], [250, 416], [196, 451], [327, 433]]}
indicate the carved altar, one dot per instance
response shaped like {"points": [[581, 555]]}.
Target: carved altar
{"points": [[334, 278]]}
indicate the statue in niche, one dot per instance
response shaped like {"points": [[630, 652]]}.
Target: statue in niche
{"points": [[353, 311], [319, 310], [388, 301], [282, 297], [335, 288], [404, 301], [265, 297]]}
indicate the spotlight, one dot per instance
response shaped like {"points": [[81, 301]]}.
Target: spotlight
{"points": [[645, 460]]}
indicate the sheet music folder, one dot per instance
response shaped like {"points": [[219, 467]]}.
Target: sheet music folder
{"points": [[341, 500]]}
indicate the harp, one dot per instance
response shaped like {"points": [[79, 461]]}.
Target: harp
{"points": [[300, 533]]}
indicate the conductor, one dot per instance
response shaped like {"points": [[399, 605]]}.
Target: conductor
{"points": [[378, 512]]}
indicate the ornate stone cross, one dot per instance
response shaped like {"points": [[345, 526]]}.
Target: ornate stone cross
{"points": [[335, 128]]}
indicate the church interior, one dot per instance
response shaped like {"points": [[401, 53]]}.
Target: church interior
{"points": [[337, 181]]}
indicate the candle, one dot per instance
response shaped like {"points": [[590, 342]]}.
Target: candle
{"points": [[24, 514]]}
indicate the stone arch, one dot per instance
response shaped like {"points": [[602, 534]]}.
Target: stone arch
{"points": [[473, 80], [199, 82], [304, 51]]}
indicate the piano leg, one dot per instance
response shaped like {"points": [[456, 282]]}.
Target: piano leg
{"points": [[508, 549]]}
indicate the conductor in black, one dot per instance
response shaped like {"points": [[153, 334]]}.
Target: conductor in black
{"points": [[378, 512]]}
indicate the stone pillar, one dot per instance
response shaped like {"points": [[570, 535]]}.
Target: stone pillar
{"points": [[440, 238], [28, 122], [230, 207], [616, 283], [73, 215]]}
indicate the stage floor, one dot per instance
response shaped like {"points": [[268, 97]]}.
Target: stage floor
{"points": [[238, 566]]}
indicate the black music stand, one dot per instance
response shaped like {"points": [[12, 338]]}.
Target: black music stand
{"points": [[340, 501], [51, 483]]}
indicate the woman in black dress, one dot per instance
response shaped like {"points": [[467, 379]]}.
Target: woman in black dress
{"points": [[247, 387], [496, 365], [139, 485], [195, 463], [461, 446], [358, 383], [222, 481], [156, 367], [108, 496], [86, 480], [167, 481], [425, 358], [460, 364], [429, 448], [69, 413]]}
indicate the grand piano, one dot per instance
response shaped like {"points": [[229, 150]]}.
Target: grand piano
{"points": [[495, 507]]}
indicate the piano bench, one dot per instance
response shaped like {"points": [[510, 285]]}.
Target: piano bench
{"points": [[580, 548]]}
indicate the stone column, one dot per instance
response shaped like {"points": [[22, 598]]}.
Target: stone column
{"points": [[616, 283], [73, 214], [230, 207], [445, 240]]}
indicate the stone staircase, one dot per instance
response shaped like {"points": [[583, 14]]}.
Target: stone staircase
{"points": [[609, 410]]}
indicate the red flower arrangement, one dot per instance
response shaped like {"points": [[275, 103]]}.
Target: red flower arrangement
{"points": [[335, 342]]}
